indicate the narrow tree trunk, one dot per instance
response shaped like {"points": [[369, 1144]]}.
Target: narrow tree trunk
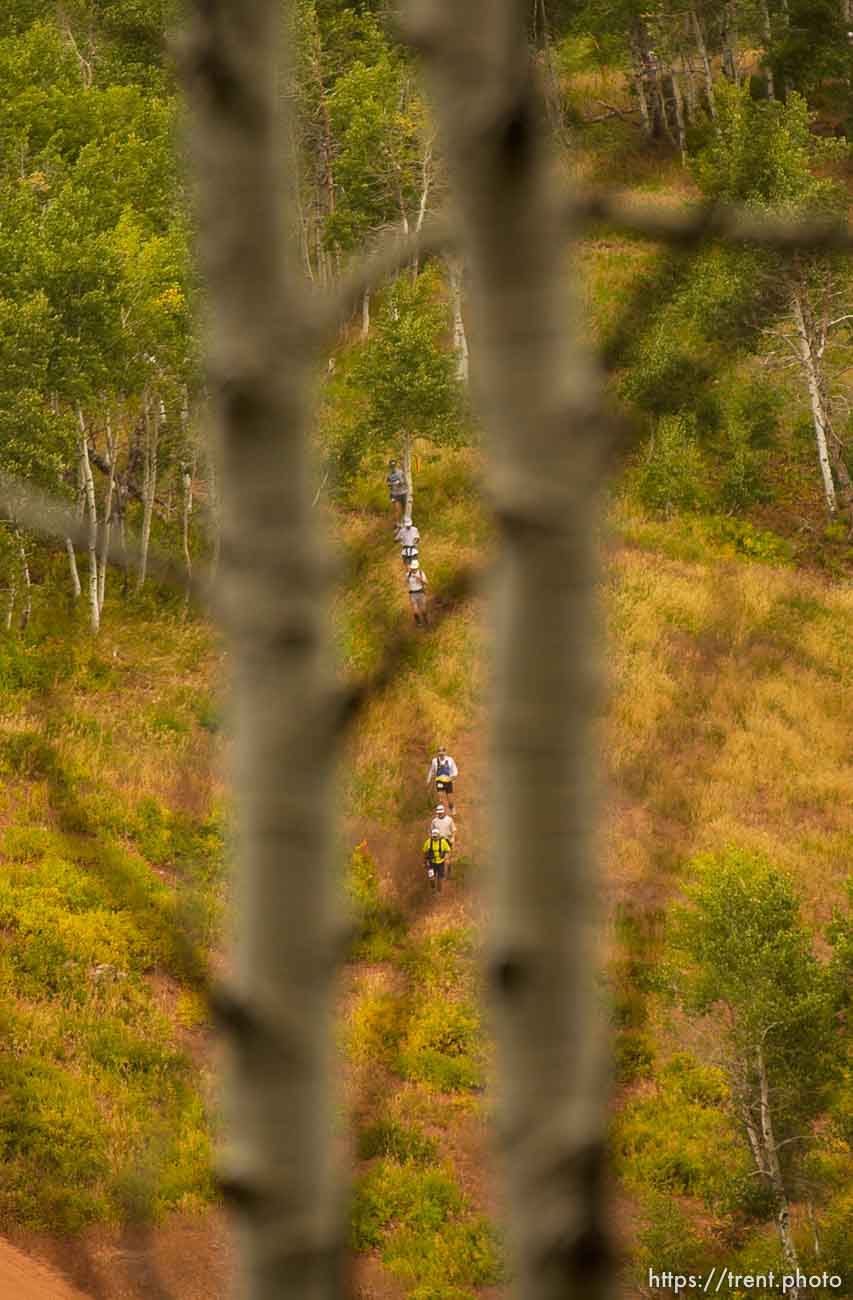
{"points": [[72, 565], [426, 183], [365, 315], [152, 437], [541, 398], [92, 511], [10, 603], [278, 1169], [732, 49], [112, 451], [661, 97], [639, 59], [186, 511], [690, 86], [679, 113], [811, 374], [774, 1177], [767, 28], [706, 61], [460, 338], [26, 612], [407, 471]]}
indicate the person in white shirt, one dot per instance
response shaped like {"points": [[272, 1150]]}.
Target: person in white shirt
{"points": [[408, 537], [443, 771], [443, 824], [416, 581]]}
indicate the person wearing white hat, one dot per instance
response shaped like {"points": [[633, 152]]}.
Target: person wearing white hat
{"points": [[443, 771], [443, 824], [416, 582]]}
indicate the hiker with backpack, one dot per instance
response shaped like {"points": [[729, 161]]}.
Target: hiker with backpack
{"points": [[416, 582], [409, 536], [436, 851], [397, 490], [443, 824], [443, 771]]}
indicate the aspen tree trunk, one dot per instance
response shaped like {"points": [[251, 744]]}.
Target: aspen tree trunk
{"points": [[273, 606], [186, 511], [774, 1177], [690, 85], [809, 364], [72, 565], [731, 42], [407, 471], [92, 511], [112, 451], [455, 269], [365, 314], [706, 62], [10, 604], [540, 394], [26, 612], [679, 113], [640, 84], [767, 29], [661, 97], [149, 490]]}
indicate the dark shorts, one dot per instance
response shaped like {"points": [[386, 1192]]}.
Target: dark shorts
{"points": [[438, 868], [401, 500], [444, 784]]}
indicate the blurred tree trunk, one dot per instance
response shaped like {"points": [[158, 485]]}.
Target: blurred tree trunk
{"points": [[540, 394], [272, 601]]}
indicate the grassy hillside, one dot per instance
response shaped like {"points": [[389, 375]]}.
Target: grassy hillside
{"points": [[111, 843], [728, 725]]}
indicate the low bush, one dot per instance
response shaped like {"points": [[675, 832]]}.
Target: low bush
{"points": [[403, 1142]]}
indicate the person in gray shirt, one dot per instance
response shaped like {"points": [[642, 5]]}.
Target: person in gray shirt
{"points": [[397, 490]]}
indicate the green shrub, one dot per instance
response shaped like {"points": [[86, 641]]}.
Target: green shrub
{"points": [[635, 1055], [671, 475], [442, 1047], [462, 1254], [403, 1142], [405, 1195], [379, 927], [743, 538], [376, 1026]]}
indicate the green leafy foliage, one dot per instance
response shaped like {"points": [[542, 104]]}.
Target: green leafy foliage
{"points": [[671, 475]]}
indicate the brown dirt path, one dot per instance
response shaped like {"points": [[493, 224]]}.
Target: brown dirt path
{"points": [[22, 1278]]}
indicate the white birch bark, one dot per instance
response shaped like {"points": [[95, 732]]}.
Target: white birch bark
{"points": [[775, 1180], [702, 46], [407, 471], [112, 452], [679, 113], [541, 397], [92, 512], [809, 365], [27, 610], [767, 29], [365, 315], [72, 565], [456, 270], [10, 602], [273, 605], [149, 489]]}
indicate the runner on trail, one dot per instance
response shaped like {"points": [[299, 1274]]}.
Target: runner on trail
{"points": [[397, 491], [416, 581], [443, 824], [443, 771], [436, 849], [408, 537]]}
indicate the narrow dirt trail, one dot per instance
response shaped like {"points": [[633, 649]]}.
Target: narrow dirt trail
{"points": [[22, 1278]]}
